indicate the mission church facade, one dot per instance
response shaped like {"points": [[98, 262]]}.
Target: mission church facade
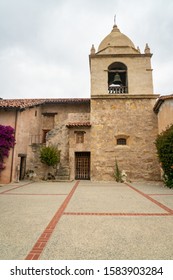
{"points": [[119, 122]]}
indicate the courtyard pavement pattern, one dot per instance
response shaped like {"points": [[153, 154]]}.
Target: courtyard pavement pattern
{"points": [[86, 220]]}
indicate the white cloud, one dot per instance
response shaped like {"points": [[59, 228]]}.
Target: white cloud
{"points": [[44, 45], [34, 78]]}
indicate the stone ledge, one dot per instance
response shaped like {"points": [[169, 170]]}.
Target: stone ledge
{"points": [[132, 55], [126, 96]]}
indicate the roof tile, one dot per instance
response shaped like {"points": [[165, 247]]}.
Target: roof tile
{"points": [[79, 124], [26, 103]]}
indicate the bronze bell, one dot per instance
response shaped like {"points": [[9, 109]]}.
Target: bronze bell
{"points": [[117, 79]]}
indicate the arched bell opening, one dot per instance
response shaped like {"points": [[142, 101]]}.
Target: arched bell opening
{"points": [[117, 78]]}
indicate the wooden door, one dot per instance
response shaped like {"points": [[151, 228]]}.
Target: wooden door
{"points": [[82, 165], [22, 167]]}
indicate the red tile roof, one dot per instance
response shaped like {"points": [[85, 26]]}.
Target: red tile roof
{"points": [[79, 124], [26, 103], [160, 100]]}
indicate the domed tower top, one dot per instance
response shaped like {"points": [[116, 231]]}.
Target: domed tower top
{"points": [[119, 68], [118, 42]]}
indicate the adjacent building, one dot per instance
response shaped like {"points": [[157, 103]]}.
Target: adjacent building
{"points": [[164, 110]]}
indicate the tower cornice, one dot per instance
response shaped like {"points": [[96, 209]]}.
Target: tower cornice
{"points": [[119, 55]]}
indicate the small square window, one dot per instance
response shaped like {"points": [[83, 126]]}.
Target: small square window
{"points": [[121, 141]]}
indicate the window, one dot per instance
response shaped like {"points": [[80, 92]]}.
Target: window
{"points": [[36, 139], [121, 141], [48, 120], [45, 131], [80, 136]]}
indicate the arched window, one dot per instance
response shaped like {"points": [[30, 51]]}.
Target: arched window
{"points": [[117, 78], [122, 139]]}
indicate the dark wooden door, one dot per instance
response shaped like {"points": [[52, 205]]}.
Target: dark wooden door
{"points": [[22, 168], [82, 165]]}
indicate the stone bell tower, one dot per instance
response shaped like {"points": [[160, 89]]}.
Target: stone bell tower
{"points": [[124, 126], [120, 68]]}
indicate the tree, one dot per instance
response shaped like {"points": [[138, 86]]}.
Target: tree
{"points": [[164, 145], [7, 141], [50, 155]]}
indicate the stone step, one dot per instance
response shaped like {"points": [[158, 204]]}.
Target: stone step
{"points": [[63, 168], [62, 173], [62, 178]]}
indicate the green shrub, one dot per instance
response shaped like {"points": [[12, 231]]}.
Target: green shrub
{"points": [[164, 145], [117, 173], [50, 155]]}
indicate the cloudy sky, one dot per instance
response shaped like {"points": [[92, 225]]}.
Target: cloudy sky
{"points": [[44, 44]]}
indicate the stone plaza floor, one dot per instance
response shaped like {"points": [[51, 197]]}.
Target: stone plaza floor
{"points": [[85, 220]]}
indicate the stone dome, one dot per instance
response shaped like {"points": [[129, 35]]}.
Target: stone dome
{"points": [[116, 39]]}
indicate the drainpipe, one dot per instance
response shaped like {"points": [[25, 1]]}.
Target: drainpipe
{"points": [[12, 160]]}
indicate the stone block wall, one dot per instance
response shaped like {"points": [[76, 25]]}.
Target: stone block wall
{"points": [[134, 118], [59, 136], [78, 117], [36, 170]]}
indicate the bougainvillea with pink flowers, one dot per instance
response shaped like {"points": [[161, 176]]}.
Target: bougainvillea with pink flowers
{"points": [[7, 141]]}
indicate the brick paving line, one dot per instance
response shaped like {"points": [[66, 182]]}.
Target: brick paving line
{"points": [[42, 241], [17, 187], [40, 244], [166, 194], [39, 194], [115, 214], [167, 209], [96, 186]]}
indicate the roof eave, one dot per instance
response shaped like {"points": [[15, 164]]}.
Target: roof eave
{"points": [[158, 105]]}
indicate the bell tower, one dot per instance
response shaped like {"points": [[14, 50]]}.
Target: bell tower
{"points": [[123, 124], [118, 67]]}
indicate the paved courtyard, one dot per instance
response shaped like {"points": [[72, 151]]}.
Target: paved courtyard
{"points": [[86, 220]]}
